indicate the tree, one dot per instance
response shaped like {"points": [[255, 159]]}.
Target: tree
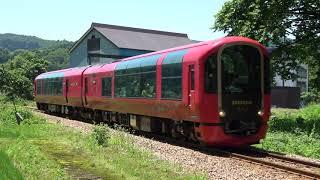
{"points": [[293, 26], [18, 74], [4, 55]]}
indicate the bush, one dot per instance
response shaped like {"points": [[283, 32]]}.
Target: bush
{"points": [[7, 115], [101, 134], [305, 120], [310, 97]]}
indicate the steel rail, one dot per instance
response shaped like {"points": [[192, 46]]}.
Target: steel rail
{"points": [[280, 166], [286, 158]]}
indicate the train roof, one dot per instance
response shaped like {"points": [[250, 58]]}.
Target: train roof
{"points": [[110, 67]]}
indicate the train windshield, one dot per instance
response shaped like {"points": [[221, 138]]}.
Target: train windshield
{"points": [[240, 67]]}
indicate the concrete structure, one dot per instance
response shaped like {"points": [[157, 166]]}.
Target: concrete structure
{"points": [[104, 43]]}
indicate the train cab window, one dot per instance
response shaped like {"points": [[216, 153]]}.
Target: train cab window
{"points": [[106, 86], [211, 74], [172, 75], [240, 70]]}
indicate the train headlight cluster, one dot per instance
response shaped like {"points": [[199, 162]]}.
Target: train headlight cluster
{"points": [[222, 114]]}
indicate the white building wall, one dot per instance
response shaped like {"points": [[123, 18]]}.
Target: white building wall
{"points": [[301, 81]]}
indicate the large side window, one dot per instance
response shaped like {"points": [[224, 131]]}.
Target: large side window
{"points": [[211, 74], [59, 86], [136, 78], [51, 86], [148, 77], [172, 75], [106, 86]]}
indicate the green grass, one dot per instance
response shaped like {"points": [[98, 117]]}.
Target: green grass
{"points": [[294, 131], [292, 143], [40, 150], [7, 169]]}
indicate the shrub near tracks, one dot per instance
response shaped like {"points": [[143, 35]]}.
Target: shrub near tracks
{"points": [[294, 131], [306, 120]]}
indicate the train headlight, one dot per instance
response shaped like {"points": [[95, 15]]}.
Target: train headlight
{"points": [[222, 114], [260, 113]]}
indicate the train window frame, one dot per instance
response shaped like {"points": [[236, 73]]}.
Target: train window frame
{"points": [[106, 91], [137, 71], [171, 75], [238, 56]]}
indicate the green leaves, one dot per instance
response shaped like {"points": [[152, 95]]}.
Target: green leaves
{"points": [[17, 75], [290, 25]]}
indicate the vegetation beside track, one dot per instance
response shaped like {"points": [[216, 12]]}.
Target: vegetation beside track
{"points": [[37, 149], [294, 131]]}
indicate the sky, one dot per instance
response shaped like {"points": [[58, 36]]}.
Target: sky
{"points": [[70, 19]]}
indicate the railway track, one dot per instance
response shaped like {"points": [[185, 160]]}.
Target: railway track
{"points": [[278, 161]]}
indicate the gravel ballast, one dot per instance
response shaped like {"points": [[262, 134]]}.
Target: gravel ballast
{"points": [[214, 166]]}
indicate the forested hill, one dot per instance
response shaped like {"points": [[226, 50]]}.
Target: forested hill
{"points": [[13, 42], [14, 46]]}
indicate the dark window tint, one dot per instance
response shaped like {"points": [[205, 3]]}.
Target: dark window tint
{"points": [[211, 74], [240, 67], [52, 86], [39, 87], [136, 78], [93, 44], [148, 82], [106, 86], [172, 75], [191, 69]]}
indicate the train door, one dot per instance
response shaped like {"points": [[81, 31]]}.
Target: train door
{"points": [[85, 90], [191, 88], [67, 90]]}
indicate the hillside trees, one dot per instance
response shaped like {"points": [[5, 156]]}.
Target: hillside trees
{"points": [[4, 55], [293, 26], [18, 74]]}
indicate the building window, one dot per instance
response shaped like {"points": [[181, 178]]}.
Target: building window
{"points": [[136, 78], [106, 86], [172, 75], [93, 44]]}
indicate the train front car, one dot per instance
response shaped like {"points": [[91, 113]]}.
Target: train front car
{"points": [[235, 107]]}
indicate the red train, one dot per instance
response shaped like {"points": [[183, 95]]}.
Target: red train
{"points": [[215, 92]]}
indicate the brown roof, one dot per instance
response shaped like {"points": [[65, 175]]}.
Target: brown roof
{"points": [[137, 38]]}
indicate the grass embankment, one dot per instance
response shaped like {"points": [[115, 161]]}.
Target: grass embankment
{"points": [[294, 131], [40, 150]]}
